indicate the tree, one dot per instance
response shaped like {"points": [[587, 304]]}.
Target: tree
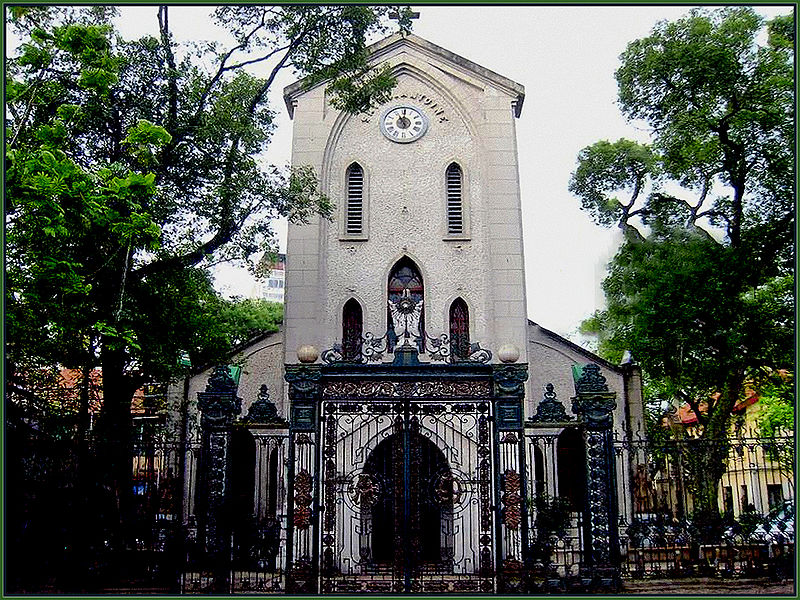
{"points": [[131, 166], [699, 294], [607, 170]]}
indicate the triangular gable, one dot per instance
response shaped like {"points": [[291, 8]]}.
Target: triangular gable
{"points": [[454, 61]]}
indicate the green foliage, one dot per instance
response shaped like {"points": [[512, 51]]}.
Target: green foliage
{"points": [[610, 179], [776, 401], [247, 318], [776, 416], [133, 166], [231, 323], [720, 107], [705, 299]]}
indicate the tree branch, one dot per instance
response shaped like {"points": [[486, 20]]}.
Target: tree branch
{"points": [[227, 225], [28, 109], [172, 82], [223, 68], [695, 406]]}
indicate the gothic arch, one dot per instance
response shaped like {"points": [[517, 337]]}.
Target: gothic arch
{"points": [[431, 519], [406, 280], [459, 330], [352, 329]]}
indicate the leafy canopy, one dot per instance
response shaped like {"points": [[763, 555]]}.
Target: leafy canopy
{"points": [[133, 166], [699, 292]]}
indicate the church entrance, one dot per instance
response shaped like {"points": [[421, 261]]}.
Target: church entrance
{"points": [[421, 521], [406, 496]]}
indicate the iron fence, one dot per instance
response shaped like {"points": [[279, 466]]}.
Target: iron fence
{"points": [[62, 522], [674, 523]]}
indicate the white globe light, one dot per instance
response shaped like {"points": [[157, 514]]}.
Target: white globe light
{"points": [[307, 354]]}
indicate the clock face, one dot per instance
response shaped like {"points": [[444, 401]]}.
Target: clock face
{"points": [[404, 124]]}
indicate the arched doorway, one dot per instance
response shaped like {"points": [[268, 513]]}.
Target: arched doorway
{"points": [[419, 519], [241, 509], [572, 468]]}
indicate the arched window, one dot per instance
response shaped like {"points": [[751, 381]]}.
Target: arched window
{"points": [[405, 279], [352, 326], [459, 330], [354, 213], [455, 202]]}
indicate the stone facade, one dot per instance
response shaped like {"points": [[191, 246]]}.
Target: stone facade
{"points": [[471, 113]]}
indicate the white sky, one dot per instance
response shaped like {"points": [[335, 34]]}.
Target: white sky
{"points": [[565, 56]]}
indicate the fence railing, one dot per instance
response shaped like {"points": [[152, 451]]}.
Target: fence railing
{"points": [[62, 519], [678, 517]]}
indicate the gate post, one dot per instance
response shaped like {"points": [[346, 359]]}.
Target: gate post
{"points": [[218, 405], [302, 545], [510, 480], [594, 403]]}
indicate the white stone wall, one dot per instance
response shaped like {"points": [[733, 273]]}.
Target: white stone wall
{"points": [[261, 364], [551, 360], [472, 123]]}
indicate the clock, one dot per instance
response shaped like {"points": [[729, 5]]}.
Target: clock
{"points": [[403, 124]]}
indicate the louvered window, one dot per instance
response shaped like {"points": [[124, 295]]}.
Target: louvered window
{"points": [[455, 205], [354, 224]]}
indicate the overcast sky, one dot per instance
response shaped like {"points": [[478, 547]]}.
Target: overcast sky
{"points": [[565, 56]]}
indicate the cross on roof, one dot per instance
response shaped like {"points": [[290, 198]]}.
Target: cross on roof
{"points": [[398, 15]]}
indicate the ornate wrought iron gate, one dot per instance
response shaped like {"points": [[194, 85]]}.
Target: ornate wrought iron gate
{"points": [[406, 496], [406, 477]]}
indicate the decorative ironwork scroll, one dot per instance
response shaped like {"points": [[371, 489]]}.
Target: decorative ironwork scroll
{"points": [[407, 496], [303, 381], [218, 405], [406, 389], [303, 484], [550, 409], [373, 349], [512, 501], [510, 379]]}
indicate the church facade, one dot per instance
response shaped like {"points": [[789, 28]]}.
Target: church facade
{"points": [[401, 430]]}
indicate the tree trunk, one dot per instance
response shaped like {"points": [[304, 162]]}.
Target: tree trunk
{"points": [[115, 439], [709, 460]]}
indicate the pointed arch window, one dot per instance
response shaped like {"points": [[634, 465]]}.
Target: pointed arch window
{"points": [[354, 209], [352, 328], [454, 182], [459, 330], [406, 280]]}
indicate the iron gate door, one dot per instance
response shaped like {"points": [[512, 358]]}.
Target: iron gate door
{"points": [[406, 497]]}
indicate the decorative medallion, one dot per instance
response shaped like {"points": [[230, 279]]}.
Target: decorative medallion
{"points": [[302, 499], [365, 492], [512, 511]]}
